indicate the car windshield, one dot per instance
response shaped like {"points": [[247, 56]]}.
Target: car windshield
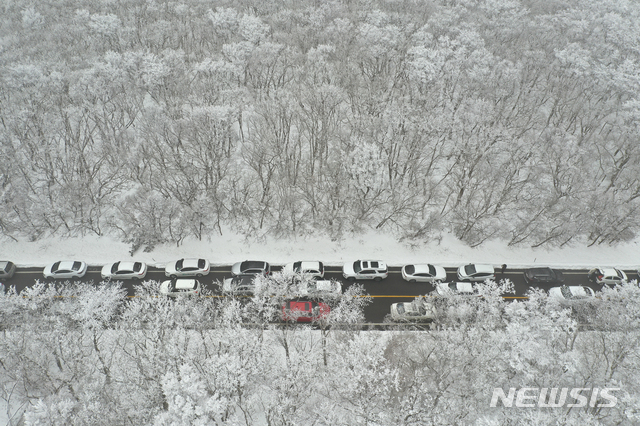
{"points": [[400, 308], [410, 269], [76, 266], [296, 266], [186, 285], [55, 266], [470, 269], [179, 264], [357, 266], [114, 268], [619, 273], [432, 270], [201, 263], [137, 266]]}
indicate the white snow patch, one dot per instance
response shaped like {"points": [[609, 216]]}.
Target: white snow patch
{"points": [[230, 248]]}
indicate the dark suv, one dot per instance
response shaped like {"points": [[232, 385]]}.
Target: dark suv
{"points": [[543, 276]]}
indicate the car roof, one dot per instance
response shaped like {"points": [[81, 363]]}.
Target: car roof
{"points": [[541, 271], [309, 264], [609, 271], [190, 263], [464, 287], [421, 268], [320, 284], [580, 290], [380, 264], [126, 266], [66, 264], [483, 267], [253, 264], [299, 305], [460, 286], [3, 263], [185, 284]]}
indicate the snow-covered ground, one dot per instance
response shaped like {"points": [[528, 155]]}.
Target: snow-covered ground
{"points": [[230, 248]]}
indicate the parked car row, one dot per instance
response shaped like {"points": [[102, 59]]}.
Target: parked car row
{"points": [[427, 309], [245, 285], [425, 273], [357, 270]]}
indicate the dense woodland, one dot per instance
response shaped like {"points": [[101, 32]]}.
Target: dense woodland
{"points": [[87, 355], [154, 121]]}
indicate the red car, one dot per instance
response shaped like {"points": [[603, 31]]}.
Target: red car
{"points": [[304, 311]]}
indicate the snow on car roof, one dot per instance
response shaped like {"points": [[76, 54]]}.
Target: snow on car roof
{"points": [[185, 284]]}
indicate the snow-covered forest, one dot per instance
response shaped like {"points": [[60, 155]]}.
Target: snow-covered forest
{"points": [[87, 355], [155, 121]]}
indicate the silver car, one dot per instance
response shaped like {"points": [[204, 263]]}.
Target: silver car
{"points": [[255, 267], [240, 285], [418, 310]]}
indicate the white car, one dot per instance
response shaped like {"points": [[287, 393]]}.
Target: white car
{"points": [[574, 292], [423, 273], [319, 288], [312, 268], [180, 287], [476, 272], [365, 270], [241, 284], [455, 288], [417, 310], [124, 271], [187, 268], [607, 276], [65, 269]]}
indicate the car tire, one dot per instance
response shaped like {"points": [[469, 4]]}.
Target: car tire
{"points": [[377, 279], [412, 281], [173, 277], [199, 275], [351, 279], [134, 278]]}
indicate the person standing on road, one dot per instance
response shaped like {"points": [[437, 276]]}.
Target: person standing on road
{"points": [[504, 268]]}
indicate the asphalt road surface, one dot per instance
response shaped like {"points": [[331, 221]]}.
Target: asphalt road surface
{"points": [[391, 290]]}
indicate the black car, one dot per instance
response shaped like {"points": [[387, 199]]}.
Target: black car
{"points": [[543, 276]]}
